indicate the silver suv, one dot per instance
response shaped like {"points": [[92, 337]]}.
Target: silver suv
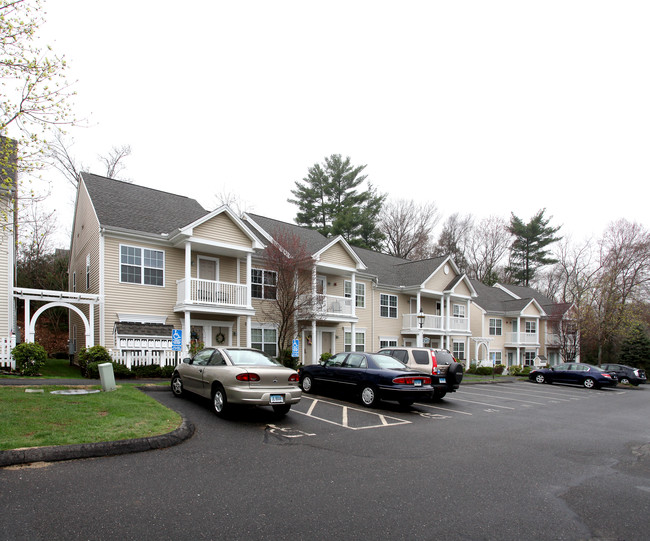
{"points": [[446, 374]]}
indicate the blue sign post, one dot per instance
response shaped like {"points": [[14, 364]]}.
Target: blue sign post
{"points": [[295, 348], [177, 339]]}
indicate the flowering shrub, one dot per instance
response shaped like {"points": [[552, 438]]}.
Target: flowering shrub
{"points": [[30, 357]]}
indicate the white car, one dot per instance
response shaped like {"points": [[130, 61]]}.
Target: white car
{"points": [[237, 376]]}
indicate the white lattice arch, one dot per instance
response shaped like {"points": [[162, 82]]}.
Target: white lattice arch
{"points": [[478, 342], [32, 322]]}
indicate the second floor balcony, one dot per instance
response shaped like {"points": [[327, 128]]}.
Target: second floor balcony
{"points": [[434, 323], [521, 339], [212, 293], [332, 308]]}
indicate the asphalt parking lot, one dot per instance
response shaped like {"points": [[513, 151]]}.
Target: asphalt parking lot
{"points": [[503, 461]]}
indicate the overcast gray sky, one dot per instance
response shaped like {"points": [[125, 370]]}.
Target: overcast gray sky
{"points": [[485, 107]]}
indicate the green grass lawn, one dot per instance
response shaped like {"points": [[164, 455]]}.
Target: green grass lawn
{"points": [[42, 419], [54, 368]]}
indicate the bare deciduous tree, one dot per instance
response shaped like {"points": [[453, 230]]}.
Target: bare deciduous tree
{"points": [[234, 201], [487, 246], [454, 238], [408, 226], [114, 160], [294, 299]]}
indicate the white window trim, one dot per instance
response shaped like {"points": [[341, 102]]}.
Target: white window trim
{"points": [[348, 331], [357, 297], [87, 272], [142, 265], [262, 327], [217, 266], [391, 342], [499, 327], [389, 295], [262, 298], [458, 310]]}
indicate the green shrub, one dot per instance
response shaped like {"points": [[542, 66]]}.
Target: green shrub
{"points": [[95, 354], [326, 356], [30, 357], [499, 368], [484, 371], [471, 369], [514, 370], [147, 371], [167, 371], [120, 371], [526, 370]]}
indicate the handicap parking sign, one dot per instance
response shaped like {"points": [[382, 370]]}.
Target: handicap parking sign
{"points": [[177, 339], [295, 348]]}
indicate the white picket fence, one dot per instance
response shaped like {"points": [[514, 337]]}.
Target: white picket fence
{"points": [[142, 357], [6, 345]]}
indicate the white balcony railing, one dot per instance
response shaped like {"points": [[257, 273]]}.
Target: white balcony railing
{"points": [[330, 305], [212, 292], [521, 338], [410, 322]]}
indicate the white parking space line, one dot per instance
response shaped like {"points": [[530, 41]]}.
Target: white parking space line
{"points": [[383, 420], [441, 408], [483, 403], [541, 394], [508, 398]]}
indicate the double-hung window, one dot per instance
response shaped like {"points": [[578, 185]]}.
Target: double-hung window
{"points": [[264, 284], [360, 293], [495, 327], [459, 310], [531, 327], [266, 340], [360, 344], [142, 266], [459, 350], [388, 305]]}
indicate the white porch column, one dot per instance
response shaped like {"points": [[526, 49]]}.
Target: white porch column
{"points": [[249, 291], [90, 337], [419, 339], [354, 296], [186, 335], [249, 320], [314, 339], [29, 337], [353, 338], [188, 272]]}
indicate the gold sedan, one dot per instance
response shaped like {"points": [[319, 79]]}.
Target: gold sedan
{"points": [[237, 376]]}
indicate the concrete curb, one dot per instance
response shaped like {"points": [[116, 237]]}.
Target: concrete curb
{"points": [[55, 453]]}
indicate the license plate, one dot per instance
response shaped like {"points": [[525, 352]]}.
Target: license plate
{"points": [[443, 380], [417, 382], [277, 399]]}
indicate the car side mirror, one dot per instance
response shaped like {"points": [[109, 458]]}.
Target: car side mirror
{"points": [[187, 360]]}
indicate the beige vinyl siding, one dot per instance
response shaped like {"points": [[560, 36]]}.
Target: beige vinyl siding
{"points": [[531, 310], [385, 326], [128, 298], [223, 229], [6, 262], [462, 289], [439, 281], [337, 255]]}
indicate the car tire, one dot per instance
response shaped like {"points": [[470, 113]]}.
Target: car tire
{"points": [[438, 395], [589, 383], [454, 374], [177, 386], [624, 380], [220, 401], [369, 396], [307, 384], [539, 378], [281, 409]]}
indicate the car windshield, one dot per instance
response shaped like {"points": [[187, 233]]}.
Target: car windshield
{"points": [[250, 357], [384, 361]]}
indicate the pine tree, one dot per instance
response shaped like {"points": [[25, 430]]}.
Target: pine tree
{"points": [[635, 349], [529, 249], [332, 200]]}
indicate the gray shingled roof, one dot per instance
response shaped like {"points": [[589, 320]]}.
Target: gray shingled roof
{"points": [[494, 299], [128, 206], [312, 239]]}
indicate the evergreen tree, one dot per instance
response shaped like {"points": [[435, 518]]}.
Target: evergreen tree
{"points": [[529, 249], [332, 200], [635, 349]]}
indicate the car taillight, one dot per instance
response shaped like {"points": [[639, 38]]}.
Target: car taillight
{"points": [[410, 380], [434, 364], [293, 378], [607, 376], [247, 376]]}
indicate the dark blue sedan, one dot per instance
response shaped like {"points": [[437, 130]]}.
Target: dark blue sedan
{"points": [[370, 376], [583, 374]]}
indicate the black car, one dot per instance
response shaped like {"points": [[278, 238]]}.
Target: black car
{"points": [[583, 374], [369, 376], [626, 375]]}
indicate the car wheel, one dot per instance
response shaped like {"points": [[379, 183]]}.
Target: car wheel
{"points": [[624, 380], [455, 374], [219, 401], [539, 378], [405, 402], [589, 383], [438, 395], [307, 384], [177, 386], [281, 409], [369, 396]]}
